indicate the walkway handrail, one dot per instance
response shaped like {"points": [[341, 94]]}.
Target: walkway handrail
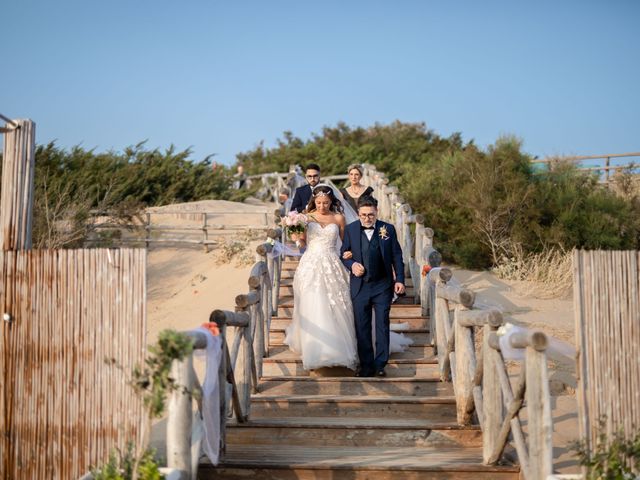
{"points": [[241, 363], [481, 382]]}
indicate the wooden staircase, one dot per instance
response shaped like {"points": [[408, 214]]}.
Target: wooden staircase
{"points": [[329, 424]]}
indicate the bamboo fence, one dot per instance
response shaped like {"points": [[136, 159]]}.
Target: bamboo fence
{"points": [[607, 306], [62, 408]]}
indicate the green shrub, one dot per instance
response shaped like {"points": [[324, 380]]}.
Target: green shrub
{"points": [[152, 382], [482, 205], [612, 458], [70, 185]]}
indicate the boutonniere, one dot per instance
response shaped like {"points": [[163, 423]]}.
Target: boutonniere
{"points": [[383, 233]]}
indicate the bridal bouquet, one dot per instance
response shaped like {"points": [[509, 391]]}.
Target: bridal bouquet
{"points": [[295, 222]]}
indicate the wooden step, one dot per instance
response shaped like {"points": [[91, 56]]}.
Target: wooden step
{"points": [[437, 409], [418, 335], [307, 385], [423, 368], [417, 351], [288, 280], [355, 432], [397, 310], [290, 265], [412, 322], [287, 301], [287, 291], [289, 462]]}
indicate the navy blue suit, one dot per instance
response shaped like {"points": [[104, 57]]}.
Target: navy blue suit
{"points": [[301, 198], [381, 257]]}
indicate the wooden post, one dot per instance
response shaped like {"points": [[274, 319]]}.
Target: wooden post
{"points": [[16, 204], [267, 309], [491, 396], [243, 367], [258, 334], [242, 321], [222, 380], [147, 234], [421, 283], [428, 233], [205, 233], [442, 328], [539, 413], [407, 240], [242, 371], [179, 421], [465, 369]]}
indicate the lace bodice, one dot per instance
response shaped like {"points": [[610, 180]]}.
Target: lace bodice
{"points": [[322, 239]]}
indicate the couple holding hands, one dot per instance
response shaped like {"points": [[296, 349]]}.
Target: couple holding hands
{"points": [[344, 284]]}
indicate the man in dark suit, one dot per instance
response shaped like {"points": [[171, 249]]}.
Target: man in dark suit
{"points": [[303, 194], [377, 271]]}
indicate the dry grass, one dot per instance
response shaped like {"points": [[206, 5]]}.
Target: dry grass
{"points": [[626, 184], [238, 249], [548, 274]]}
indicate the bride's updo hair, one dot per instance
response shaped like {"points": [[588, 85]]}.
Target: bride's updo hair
{"points": [[322, 190]]}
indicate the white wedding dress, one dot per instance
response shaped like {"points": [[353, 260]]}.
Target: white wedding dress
{"points": [[322, 330]]}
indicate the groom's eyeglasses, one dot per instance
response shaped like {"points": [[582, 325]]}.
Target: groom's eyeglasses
{"points": [[313, 176], [366, 215]]}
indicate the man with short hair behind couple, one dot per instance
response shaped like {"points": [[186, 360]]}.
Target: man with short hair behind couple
{"points": [[337, 309]]}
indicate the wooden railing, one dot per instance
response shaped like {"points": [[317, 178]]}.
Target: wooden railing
{"points": [[243, 350], [604, 168], [480, 378], [191, 227]]}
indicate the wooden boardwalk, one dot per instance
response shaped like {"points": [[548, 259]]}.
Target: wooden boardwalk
{"points": [[328, 424]]}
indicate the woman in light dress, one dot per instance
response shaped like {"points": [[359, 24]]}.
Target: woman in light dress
{"points": [[322, 329]]}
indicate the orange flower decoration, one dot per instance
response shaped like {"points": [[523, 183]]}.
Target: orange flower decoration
{"points": [[425, 269], [212, 327]]}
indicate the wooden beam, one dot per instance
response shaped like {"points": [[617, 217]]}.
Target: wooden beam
{"points": [[233, 319], [456, 294], [246, 299], [478, 318]]}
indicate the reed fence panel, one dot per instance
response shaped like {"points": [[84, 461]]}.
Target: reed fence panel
{"points": [[63, 408], [607, 306]]}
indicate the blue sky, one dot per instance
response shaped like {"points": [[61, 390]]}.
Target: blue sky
{"points": [[220, 77]]}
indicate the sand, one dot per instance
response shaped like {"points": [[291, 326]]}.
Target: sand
{"points": [[186, 284]]}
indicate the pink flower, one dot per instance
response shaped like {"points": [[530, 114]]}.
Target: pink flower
{"points": [[295, 222]]}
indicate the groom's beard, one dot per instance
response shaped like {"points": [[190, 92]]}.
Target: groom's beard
{"points": [[372, 224]]}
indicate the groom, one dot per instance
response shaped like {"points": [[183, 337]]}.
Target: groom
{"points": [[377, 272]]}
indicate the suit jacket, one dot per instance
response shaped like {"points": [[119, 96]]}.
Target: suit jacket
{"points": [[389, 247], [301, 198]]}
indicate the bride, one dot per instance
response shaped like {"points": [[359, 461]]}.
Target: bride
{"points": [[322, 329]]}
